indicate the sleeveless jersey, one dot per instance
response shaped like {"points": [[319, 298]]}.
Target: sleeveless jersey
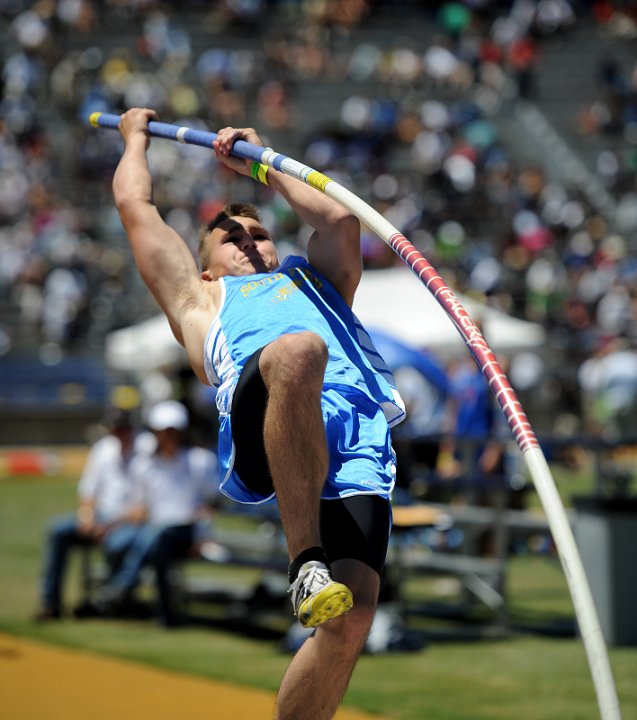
{"points": [[257, 309]]}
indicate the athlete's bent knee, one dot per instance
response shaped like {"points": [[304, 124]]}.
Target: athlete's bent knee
{"points": [[294, 357]]}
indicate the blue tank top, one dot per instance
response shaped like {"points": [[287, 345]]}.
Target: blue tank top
{"points": [[257, 309]]}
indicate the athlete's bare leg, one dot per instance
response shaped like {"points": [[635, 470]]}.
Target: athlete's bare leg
{"points": [[293, 367], [319, 673]]}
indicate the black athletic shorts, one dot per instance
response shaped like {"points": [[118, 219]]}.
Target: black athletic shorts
{"points": [[355, 527]]}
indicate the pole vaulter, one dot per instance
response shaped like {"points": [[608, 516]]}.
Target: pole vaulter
{"points": [[539, 470]]}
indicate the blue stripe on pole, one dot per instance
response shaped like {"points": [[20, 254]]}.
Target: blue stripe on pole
{"points": [[241, 148]]}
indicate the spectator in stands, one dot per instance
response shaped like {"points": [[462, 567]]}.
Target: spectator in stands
{"points": [[267, 351], [474, 462], [522, 59], [476, 449], [608, 381], [106, 514], [176, 486]]}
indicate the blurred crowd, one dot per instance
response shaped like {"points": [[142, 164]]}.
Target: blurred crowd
{"points": [[413, 131]]}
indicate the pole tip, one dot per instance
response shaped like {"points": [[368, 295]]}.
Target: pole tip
{"points": [[94, 118]]}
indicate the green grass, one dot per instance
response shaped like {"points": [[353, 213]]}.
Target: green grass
{"points": [[526, 676]]}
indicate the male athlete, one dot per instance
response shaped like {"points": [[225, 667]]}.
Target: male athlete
{"points": [[305, 401]]}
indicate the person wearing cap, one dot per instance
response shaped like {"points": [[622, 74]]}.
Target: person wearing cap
{"points": [[305, 400], [176, 485], [107, 513]]}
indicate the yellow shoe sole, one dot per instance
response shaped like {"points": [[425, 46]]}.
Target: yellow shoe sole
{"points": [[331, 602]]}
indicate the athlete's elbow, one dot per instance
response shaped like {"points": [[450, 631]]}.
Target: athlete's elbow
{"points": [[122, 198], [126, 201], [346, 224], [130, 196], [132, 210]]}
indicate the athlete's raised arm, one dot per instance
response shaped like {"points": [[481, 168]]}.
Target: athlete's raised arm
{"points": [[162, 256]]}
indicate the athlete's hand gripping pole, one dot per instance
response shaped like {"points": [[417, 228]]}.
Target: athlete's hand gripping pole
{"points": [[585, 612]]}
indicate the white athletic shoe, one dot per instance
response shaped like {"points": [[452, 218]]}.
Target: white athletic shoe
{"points": [[316, 598]]}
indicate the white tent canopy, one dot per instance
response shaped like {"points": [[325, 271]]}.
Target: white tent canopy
{"points": [[393, 300], [397, 302], [148, 345]]}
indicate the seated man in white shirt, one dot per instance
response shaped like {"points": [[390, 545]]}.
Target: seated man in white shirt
{"points": [[176, 486], [107, 512]]}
